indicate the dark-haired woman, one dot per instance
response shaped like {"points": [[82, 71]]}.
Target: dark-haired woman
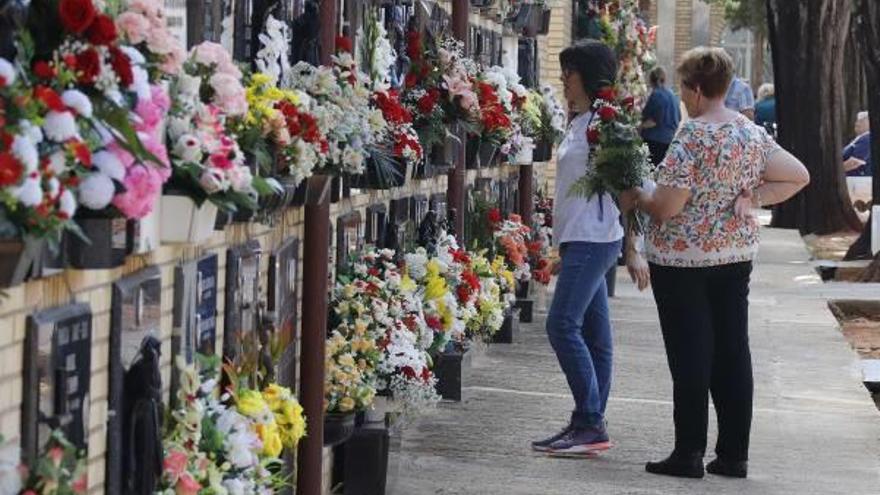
{"points": [[660, 117], [588, 234]]}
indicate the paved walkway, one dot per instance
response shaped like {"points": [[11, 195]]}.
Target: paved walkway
{"points": [[816, 430]]}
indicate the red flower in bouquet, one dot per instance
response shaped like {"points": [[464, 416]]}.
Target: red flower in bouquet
{"points": [[392, 110], [121, 66], [414, 46], [76, 15], [593, 135], [10, 170], [463, 292], [629, 102], [411, 80], [607, 93], [471, 279], [607, 113], [428, 102], [343, 44], [50, 98], [102, 31], [43, 70], [88, 66], [535, 247], [460, 256], [494, 216]]}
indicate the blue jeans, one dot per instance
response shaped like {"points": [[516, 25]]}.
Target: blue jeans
{"points": [[579, 327]]}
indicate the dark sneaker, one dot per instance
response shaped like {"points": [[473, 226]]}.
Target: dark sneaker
{"points": [[682, 466], [580, 442], [544, 445], [731, 469]]}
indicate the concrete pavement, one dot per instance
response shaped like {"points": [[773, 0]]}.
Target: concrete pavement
{"points": [[816, 430]]}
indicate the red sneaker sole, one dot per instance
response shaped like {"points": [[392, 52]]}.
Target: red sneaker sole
{"points": [[591, 450]]}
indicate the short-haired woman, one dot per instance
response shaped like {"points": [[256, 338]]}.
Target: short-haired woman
{"points": [[700, 247], [660, 116], [588, 234]]}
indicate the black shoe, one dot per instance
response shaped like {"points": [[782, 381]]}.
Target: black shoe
{"points": [[731, 469], [544, 445], [682, 466]]}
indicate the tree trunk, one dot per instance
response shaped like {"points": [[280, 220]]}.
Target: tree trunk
{"points": [[867, 20], [759, 41], [809, 95], [855, 88]]}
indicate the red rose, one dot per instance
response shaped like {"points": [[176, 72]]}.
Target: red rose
{"points": [[593, 135], [427, 102], [411, 80], [629, 102], [76, 15], [343, 44], [88, 66], [10, 170], [102, 31], [121, 66], [43, 70], [414, 46], [50, 98], [82, 152], [494, 215], [606, 93], [607, 113]]}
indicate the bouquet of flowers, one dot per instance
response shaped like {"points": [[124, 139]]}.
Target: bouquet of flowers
{"points": [[489, 304], [495, 125], [539, 247], [461, 99], [422, 92], [511, 240], [144, 26], [619, 159], [552, 117], [60, 470], [38, 162], [513, 98], [436, 279], [375, 302], [401, 140]]}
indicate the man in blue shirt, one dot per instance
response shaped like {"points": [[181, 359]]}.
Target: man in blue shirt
{"points": [[660, 117], [857, 154], [765, 108], [740, 98]]}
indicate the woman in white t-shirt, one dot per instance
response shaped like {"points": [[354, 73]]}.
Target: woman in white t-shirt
{"points": [[589, 236]]}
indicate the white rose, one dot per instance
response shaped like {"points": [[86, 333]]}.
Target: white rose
{"points": [[26, 151], [30, 192], [212, 182], [240, 178], [60, 126], [7, 73], [78, 102], [188, 148], [109, 165], [96, 191]]}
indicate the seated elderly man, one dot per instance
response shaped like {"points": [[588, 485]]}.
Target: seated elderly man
{"points": [[857, 164]]}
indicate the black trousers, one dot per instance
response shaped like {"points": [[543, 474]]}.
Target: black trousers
{"points": [[704, 316], [658, 151]]}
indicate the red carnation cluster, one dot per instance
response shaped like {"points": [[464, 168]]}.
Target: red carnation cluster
{"points": [[470, 286], [428, 102], [49, 98], [10, 169], [414, 46], [494, 216], [493, 115], [392, 110], [403, 140], [87, 65], [343, 44], [121, 66], [302, 124]]}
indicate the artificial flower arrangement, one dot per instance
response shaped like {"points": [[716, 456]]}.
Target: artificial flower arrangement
{"points": [[511, 239], [209, 164], [540, 254], [551, 116], [41, 147], [502, 108], [129, 164], [422, 92], [144, 25], [436, 279], [341, 94], [228, 441], [619, 159], [59, 470], [376, 307], [491, 299]]}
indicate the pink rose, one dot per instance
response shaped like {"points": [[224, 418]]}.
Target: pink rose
{"points": [[161, 41], [143, 185], [229, 94], [153, 9], [156, 146], [133, 26], [160, 97], [174, 59], [210, 53], [150, 115], [186, 485], [175, 463]]}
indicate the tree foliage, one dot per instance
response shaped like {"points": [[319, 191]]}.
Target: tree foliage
{"points": [[745, 14]]}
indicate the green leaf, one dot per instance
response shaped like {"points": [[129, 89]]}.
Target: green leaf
{"points": [[117, 119]]}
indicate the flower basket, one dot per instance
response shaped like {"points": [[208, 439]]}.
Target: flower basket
{"points": [[182, 221], [19, 258], [509, 331], [108, 241], [373, 177], [338, 427], [543, 151]]}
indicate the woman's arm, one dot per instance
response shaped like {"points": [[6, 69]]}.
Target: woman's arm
{"points": [[662, 203], [784, 177]]}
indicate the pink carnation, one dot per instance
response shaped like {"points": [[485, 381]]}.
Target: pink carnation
{"points": [[143, 185], [210, 53], [161, 41], [229, 94], [174, 59], [156, 146], [133, 26]]}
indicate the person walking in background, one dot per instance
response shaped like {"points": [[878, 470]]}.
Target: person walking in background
{"points": [[588, 233], [700, 246], [660, 117], [765, 108], [857, 154], [740, 99]]}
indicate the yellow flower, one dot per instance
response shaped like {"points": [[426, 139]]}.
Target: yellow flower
{"points": [[260, 79], [275, 395], [251, 403], [346, 360], [407, 284], [271, 437], [346, 404]]}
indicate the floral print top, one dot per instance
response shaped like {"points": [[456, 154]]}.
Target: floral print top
{"points": [[715, 161]]}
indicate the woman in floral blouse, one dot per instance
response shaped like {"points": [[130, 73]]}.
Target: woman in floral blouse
{"points": [[700, 247]]}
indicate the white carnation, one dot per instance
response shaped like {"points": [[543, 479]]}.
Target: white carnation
{"points": [[57, 162], [30, 193], [33, 132], [67, 203], [26, 151], [60, 126], [7, 72], [53, 187], [96, 191], [188, 148], [188, 85], [109, 165], [212, 182], [78, 101], [240, 178]]}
